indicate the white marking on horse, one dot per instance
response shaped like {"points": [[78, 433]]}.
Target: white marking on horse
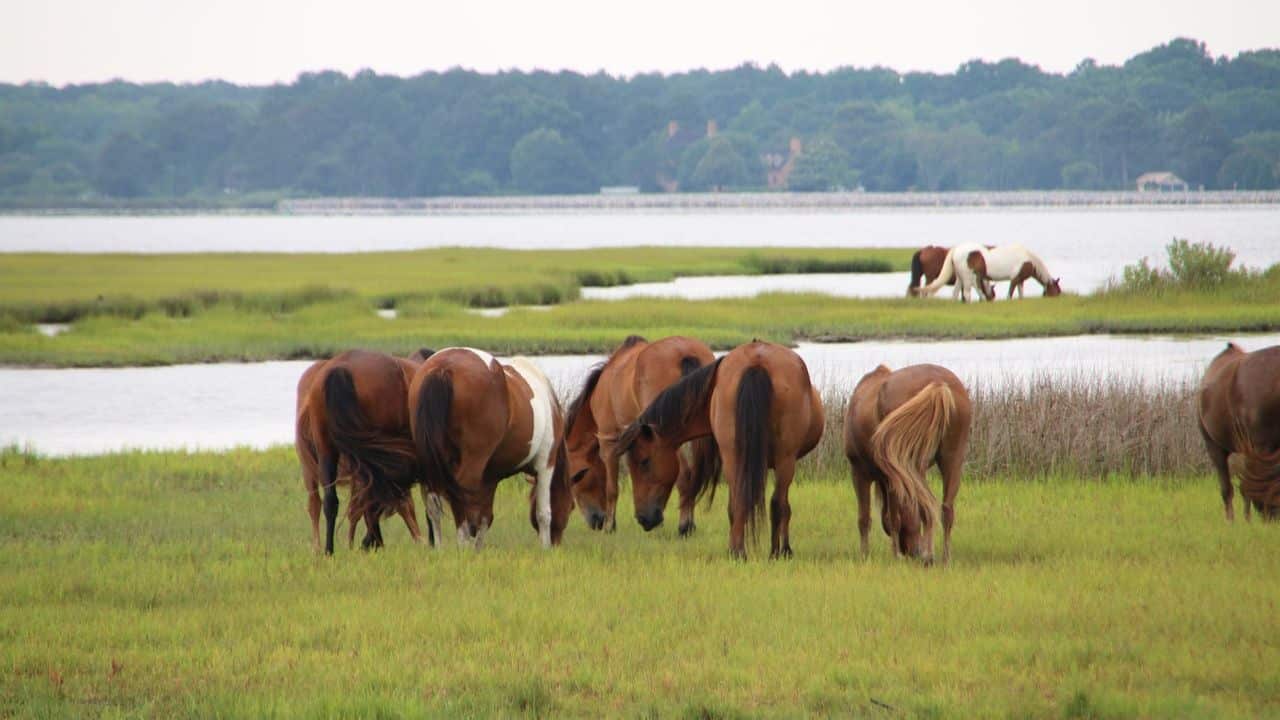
{"points": [[541, 440], [485, 357]]}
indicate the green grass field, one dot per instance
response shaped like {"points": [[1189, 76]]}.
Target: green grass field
{"points": [[170, 585]]}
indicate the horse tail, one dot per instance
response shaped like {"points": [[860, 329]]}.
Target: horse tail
{"points": [[436, 452], [945, 275], [706, 453], [906, 442], [917, 272], [383, 466], [1260, 471], [753, 440]]}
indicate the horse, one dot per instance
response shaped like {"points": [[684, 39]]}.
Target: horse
{"points": [[475, 421], [763, 411], [897, 424], [1016, 264], [352, 425], [926, 264], [1238, 411], [965, 266], [612, 397]]}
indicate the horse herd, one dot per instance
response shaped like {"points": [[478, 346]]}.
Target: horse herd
{"points": [[971, 266]]}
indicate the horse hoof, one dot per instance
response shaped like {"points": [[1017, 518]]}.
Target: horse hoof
{"points": [[687, 529]]}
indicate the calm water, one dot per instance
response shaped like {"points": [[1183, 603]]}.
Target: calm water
{"points": [[83, 411]]}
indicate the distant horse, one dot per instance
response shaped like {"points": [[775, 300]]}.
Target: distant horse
{"points": [[965, 265], [896, 426], [1238, 409], [613, 396], [763, 411], [352, 416], [476, 421], [1016, 264], [926, 264]]}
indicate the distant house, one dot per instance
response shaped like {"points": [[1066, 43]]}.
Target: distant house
{"points": [[1161, 182], [779, 166]]}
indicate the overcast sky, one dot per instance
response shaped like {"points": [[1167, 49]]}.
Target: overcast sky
{"points": [[265, 41]]}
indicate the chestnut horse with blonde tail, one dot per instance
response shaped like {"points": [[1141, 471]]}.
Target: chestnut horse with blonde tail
{"points": [[1238, 409], [613, 396], [475, 421], [760, 406], [897, 424], [352, 427], [965, 267]]}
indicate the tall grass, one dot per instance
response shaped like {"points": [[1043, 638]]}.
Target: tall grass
{"points": [[1088, 427]]}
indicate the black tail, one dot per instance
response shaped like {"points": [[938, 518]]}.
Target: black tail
{"points": [[383, 466], [755, 400], [436, 453], [917, 272], [705, 451]]}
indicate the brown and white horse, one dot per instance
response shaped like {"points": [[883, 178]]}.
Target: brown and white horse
{"points": [[965, 267], [1238, 409], [897, 424], [613, 396], [352, 426], [476, 421], [763, 411]]}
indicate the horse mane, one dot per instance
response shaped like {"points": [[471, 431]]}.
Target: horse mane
{"points": [[673, 406], [589, 386]]}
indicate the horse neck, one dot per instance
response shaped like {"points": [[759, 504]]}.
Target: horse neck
{"points": [[1041, 270]]}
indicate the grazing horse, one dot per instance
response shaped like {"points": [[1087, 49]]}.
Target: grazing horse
{"points": [[763, 411], [476, 421], [613, 396], [352, 417], [965, 266], [926, 265], [1238, 409], [1016, 264], [896, 426]]}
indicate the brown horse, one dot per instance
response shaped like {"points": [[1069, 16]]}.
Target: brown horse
{"points": [[352, 425], [926, 265], [763, 411], [476, 421], [613, 396], [896, 426], [1238, 409]]}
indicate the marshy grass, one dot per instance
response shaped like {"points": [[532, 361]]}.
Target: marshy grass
{"points": [[176, 585], [1085, 427]]}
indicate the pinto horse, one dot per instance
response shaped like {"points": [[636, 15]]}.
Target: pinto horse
{"points": [[475, 421], [965, 267], [763, 411], [1017, 264], [352, 425], [613, 396], [897, 424], [1238, 410]]}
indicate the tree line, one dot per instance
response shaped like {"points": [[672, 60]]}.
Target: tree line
{"points": [[1006, 125]]}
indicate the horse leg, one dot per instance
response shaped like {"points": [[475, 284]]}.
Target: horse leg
{"points": [[311, 481], [329, 478], [688, 497], [862, 489], [373, 524], [409, 513], [610, 485], [780, 507], [434, 508], [950, 465], [737, 517], [542, 501], [1218, 458]]}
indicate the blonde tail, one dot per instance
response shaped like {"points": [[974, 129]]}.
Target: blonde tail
{"points": [[906, 441], [945, 275]]}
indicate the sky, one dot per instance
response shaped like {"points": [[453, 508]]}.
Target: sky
{"points": [[266, 41]]}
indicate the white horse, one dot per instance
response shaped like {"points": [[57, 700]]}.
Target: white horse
{"points": [[967, 264], [1015, 263]]}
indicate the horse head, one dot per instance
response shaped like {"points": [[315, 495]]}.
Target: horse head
{"points": [[1053, 288]]}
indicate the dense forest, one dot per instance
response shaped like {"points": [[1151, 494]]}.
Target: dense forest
{"points": [[1215, 122]]}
